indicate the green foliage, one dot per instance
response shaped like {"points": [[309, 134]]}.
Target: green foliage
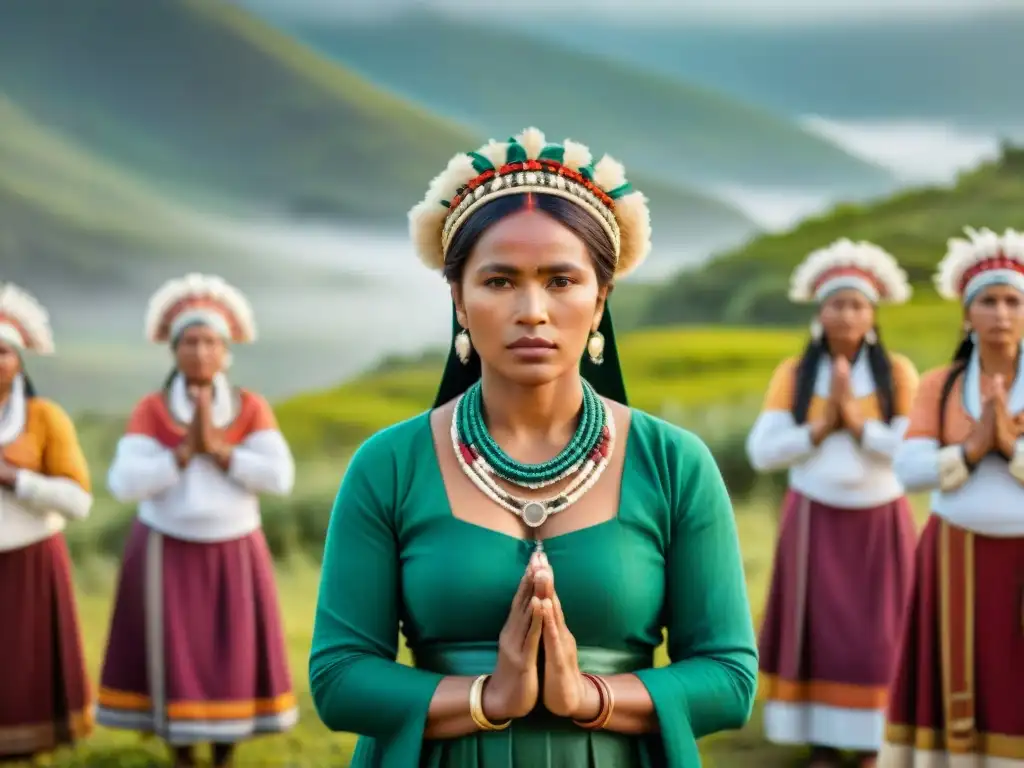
{"points": [[748, 284]]}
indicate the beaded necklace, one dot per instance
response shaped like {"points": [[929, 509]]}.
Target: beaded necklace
{"points": [[586, 456]]}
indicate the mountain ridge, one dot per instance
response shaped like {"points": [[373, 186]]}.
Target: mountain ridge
{"points": [[691, 133]]}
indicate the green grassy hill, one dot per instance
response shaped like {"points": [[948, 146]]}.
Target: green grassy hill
{"points": [[749, 284], [213, 102], [65, 214], [658, 124], [206, 97]]}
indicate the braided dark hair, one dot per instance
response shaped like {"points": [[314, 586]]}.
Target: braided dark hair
{"points": [[961, 357]]}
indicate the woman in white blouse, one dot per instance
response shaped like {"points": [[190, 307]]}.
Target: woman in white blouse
{"points": [[833, 418], [956, 700], [196, 650]]}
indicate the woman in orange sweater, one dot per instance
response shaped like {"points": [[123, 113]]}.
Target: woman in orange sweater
{"points": [[44, 480]]}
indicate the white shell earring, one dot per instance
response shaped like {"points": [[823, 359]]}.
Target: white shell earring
{"points": [[871, 337], [816, 330], [595, 347], [463, 346]]}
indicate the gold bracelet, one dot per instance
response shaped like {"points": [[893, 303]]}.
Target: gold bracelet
{"points": [[606, 706], [476, 707]]}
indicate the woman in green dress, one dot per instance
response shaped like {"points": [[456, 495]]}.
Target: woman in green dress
{"points": [[532, 536]]}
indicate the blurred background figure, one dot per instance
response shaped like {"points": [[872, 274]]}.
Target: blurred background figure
{"points": [[280, 144], [955, 698], [196, 650], [834, 418], [45, 697]]}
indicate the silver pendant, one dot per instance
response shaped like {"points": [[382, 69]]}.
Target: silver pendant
{"points": [[534, 514]]}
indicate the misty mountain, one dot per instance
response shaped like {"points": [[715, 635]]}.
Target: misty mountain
{"points": [[655, 123], [215, 104], [961, 69]]}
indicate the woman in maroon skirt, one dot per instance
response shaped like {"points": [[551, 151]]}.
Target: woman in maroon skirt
{"points": [[196, 650], [950, 707], [44, 480], [834, 418]]}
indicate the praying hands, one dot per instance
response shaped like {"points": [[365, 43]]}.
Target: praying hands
{"points": [[202, 437], [997, 430], [842, 411]]}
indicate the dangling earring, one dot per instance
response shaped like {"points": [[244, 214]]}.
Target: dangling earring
{"points": [[595, 347], [463, 346], [969, 332], [816, 329], [871, 338]]}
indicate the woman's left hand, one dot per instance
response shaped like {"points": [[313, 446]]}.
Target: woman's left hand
{"points": [[566, 692]]}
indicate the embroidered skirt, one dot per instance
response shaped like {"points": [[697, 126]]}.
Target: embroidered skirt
{"points": [[962, 656], [44, 691], [830, 634], [196, 650]]}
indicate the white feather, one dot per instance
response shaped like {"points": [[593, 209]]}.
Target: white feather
{"points": [[963, 253], [533, 141], [496, 152], [30, 315], [198, 286], [867, 257], [609, 173], [576, 155]]}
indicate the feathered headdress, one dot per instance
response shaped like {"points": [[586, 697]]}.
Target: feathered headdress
{"points": [[24, 322], [528, 163], [199, 298], [846, 264], [981, 259]]}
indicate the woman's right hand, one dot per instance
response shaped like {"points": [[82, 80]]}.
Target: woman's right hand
{"points": [[512, 690], [981, 440]]}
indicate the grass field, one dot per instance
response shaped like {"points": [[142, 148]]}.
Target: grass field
{"points": [[311, 744]]}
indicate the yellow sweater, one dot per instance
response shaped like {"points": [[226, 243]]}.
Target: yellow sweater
{"points": [[53, 477]]}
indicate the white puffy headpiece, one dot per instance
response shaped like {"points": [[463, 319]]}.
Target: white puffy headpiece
{"points": [[528, 163], [24, 323], [199, 299], [981, 259], [845, 264]]}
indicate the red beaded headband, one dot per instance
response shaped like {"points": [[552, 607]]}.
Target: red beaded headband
{"points": [[848, 271], [197, 302], [1000, 261]]}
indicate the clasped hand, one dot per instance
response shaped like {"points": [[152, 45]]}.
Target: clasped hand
{"points": [[997, 429], [842, 410], [202, 437], [536, 617]]}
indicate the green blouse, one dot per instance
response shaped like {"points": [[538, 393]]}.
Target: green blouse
{"points": [[395, 554]]}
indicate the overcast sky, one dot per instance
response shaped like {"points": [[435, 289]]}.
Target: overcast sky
{"points": [[744, 11]]}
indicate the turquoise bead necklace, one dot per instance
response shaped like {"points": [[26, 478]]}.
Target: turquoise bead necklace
{"points": [[583, 460], [473, 432]]}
